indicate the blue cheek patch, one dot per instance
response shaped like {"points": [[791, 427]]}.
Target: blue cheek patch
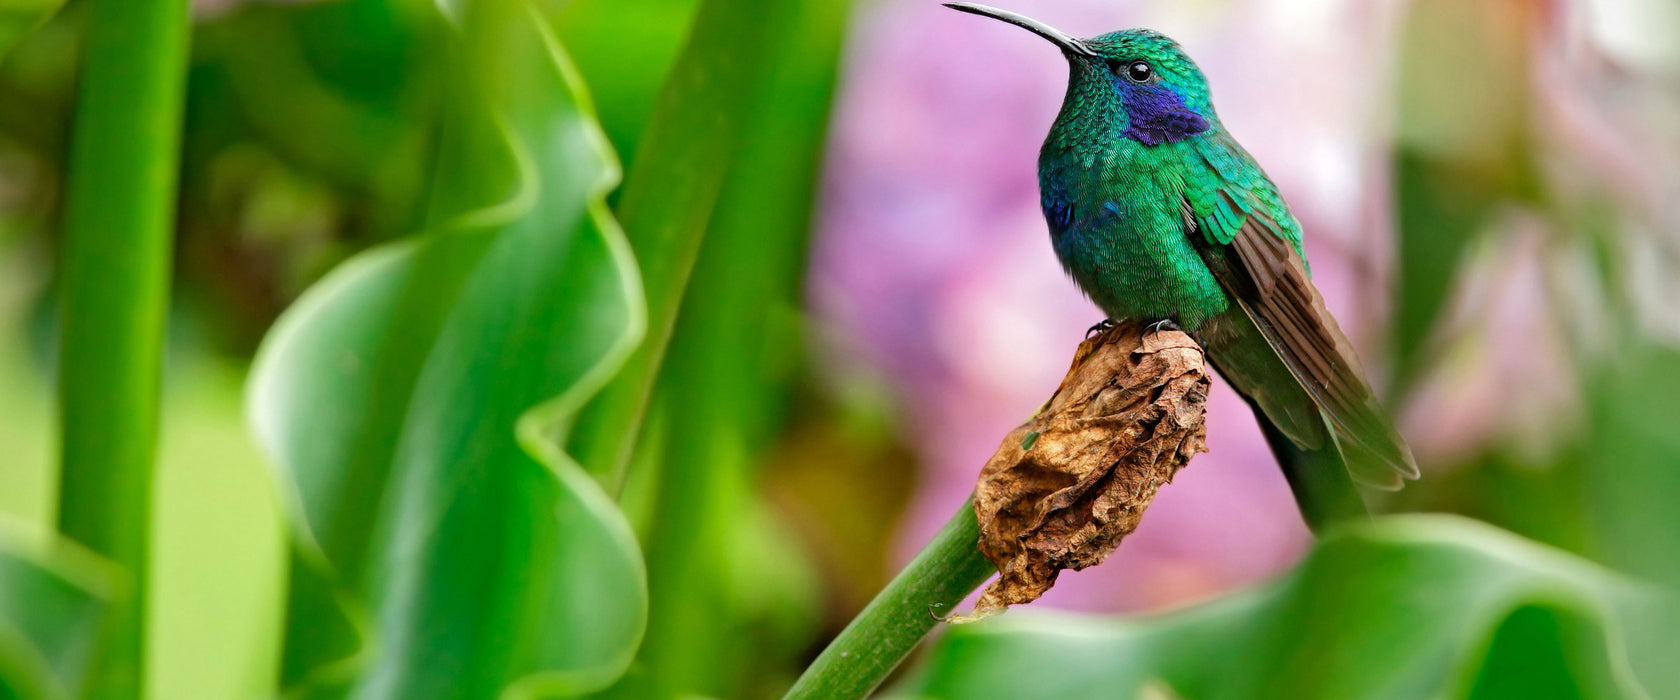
{"points": [[1157, 114]]}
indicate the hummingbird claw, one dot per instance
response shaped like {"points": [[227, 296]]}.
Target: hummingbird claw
{"points": [[935, 615], [1101, 327], [1165, 323]]}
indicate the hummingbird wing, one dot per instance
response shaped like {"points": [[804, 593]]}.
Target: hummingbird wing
{"points": [[1252, 244]]}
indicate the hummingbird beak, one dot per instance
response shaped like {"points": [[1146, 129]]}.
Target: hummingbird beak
{"points": [[1070, 45]]}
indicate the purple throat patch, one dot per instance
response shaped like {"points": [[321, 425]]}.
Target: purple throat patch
{"points": [[1157, 114]]}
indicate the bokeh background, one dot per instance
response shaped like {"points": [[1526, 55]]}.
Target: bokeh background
{"points": [[931, 251], [1489, 191]]}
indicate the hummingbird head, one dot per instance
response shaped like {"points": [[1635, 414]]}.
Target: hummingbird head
{"points": [[1136, 82]]}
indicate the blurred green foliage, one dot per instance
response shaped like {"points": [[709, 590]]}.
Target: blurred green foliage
{"points": [[1406, 607], [730, 573], [114, 274], [1472, 152], [411, 208], [19, 17], [55, 599], [467, 556]]}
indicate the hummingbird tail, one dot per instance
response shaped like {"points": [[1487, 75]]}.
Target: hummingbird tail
{"points": [[1314, 459], [1319, 477]]}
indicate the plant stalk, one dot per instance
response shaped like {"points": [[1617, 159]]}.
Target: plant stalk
{"points": [[946, 571], [118, 237]]}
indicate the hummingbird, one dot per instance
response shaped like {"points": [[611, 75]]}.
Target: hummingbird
{"points": [[1162, 218]]}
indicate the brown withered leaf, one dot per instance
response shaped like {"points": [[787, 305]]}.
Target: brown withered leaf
{"points": [[1065, 487]]}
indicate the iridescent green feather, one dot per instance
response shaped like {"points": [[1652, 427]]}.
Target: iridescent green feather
{"points": [[1159, 215]]}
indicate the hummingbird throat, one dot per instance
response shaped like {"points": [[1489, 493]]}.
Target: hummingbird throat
{"points": [[1157, 114]]}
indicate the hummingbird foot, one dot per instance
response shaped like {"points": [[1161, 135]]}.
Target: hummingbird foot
{"points": [[1101, 327], [1164, 324]]}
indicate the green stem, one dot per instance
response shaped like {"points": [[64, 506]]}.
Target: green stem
{"points": [[118, 233], [946, 571]]}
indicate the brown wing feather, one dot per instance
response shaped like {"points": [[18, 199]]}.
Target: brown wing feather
{"points": [[1270, 282]]}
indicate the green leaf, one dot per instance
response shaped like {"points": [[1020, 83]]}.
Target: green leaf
{"points": [[625, 84], [413, 402], [19, 17], [1405, 607], [693, 139], [723, 383], [329, 89], [1628, 459], [54, 604]]}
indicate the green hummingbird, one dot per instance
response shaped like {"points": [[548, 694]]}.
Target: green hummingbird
{"points": [[1161, 217]]}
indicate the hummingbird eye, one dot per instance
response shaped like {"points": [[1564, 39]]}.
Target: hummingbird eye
{"points": [[1139, 71]]}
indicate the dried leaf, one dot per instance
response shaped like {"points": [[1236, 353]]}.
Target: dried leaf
{"points": [[1066, 486]]}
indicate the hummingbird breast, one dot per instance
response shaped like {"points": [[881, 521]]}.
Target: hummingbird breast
{"points": [[1116, 221]]}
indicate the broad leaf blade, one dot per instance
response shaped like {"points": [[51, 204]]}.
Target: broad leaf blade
{"points": [[692, 140], [54, 604], [414, 398], [721, 558], [1407, 607]]}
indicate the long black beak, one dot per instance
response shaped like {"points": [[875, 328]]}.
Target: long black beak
{"points": [[1055, 36]]}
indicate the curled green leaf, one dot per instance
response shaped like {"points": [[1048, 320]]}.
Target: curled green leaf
{"points": [[414, 401], [1404, 607]]}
